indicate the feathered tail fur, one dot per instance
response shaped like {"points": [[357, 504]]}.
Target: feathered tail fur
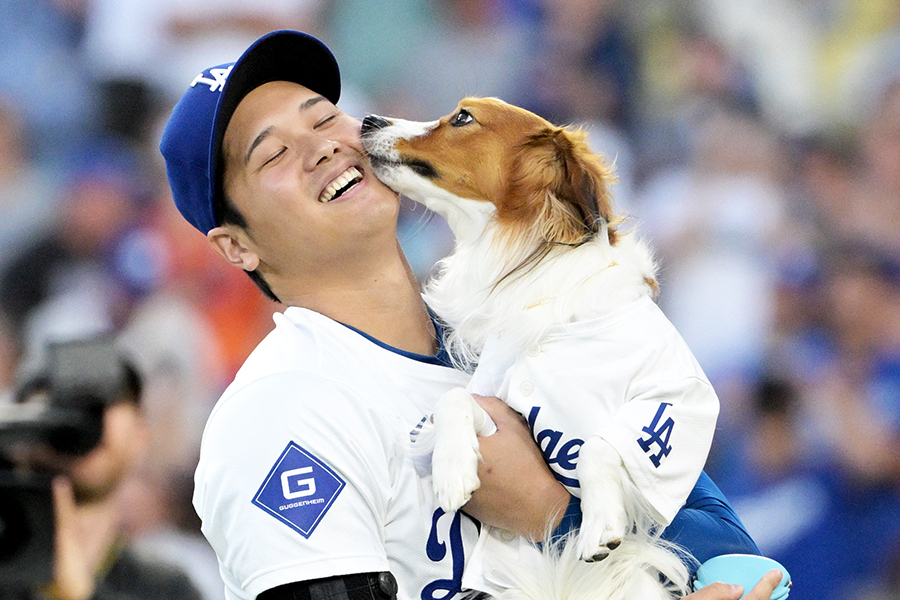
{"points": [[643, 567]]}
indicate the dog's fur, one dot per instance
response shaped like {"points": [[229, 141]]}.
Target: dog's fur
{"points": [[537, 244]]}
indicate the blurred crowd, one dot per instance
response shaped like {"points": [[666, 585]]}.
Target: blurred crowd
{"points": [[756, 143]]}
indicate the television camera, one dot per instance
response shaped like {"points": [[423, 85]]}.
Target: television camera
{"points": [[60, 408]]}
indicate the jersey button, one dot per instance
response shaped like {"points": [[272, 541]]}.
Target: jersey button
{"points": [[526, 387], [503, 534], [534, 350]]}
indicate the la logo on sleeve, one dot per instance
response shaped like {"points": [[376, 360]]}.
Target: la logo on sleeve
{"points": [[299, 490]]}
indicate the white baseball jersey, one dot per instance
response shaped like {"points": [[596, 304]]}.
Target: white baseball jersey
{"points": [[306, 469], [627, 377]]}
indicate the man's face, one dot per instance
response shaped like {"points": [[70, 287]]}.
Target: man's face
{"points": [[98, 473], [295, 169]]}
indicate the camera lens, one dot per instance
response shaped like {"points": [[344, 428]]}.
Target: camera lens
{"points": [[81, 429]]}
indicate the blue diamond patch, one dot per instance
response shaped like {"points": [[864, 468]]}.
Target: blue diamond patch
{"points": [[299, 490]]}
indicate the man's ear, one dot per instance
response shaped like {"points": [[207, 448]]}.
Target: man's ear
{"points": [[234, 245]]}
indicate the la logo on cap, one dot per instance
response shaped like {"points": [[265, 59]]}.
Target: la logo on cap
{"points": [[219, 76]]}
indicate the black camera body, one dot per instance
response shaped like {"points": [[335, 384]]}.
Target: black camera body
{"points": [[60, 408], [26, 530]]}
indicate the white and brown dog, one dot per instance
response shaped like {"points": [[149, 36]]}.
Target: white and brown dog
{"points": [[554, 301]]}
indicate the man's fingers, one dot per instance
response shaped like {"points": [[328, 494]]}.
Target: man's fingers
{"points": [[499, 411], [725, 591], [73, 578], [763, 590], [63, 503], [717, 591]]}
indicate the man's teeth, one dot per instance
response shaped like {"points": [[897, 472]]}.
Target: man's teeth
{"points": [[350, 177]]}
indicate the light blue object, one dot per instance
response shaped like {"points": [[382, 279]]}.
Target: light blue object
{"points": [[742, 569]]}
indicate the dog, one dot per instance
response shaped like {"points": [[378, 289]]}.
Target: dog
{"points": [[555, 301]]}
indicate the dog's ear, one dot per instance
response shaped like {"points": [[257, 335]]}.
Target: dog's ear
{"points": [[583, 180], [567, 183]]}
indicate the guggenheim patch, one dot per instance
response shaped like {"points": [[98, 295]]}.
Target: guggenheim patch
{"points": [[299, 490]]}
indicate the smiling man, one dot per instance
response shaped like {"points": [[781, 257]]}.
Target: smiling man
{"points": [[307, 479], [308, 483], [319, 228]]}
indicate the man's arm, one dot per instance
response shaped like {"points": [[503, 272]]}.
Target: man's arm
{"points": [[518, 491]]}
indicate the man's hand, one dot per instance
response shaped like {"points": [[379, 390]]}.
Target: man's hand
{"points": [[722, 591], [73, 577], [518, 492]]}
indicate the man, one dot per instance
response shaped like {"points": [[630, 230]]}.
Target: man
{"points": [[307, 483], [90, 464]]}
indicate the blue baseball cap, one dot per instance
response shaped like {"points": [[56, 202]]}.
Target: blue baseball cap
{"points": [[192, 140]]}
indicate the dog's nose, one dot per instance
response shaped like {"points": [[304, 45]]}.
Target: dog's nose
{"points": [[373, 123]]}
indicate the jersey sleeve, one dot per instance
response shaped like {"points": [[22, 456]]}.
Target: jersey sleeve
{"points": [[293, 482], [664, 431]]}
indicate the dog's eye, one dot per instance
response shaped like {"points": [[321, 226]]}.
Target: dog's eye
{"points": [[463, 117]]}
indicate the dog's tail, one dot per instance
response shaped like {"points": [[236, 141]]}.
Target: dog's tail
{"points": [[643, 567], [639, 569]]}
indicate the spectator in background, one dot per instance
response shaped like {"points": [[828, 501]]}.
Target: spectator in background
{"points": [[588, 66], [685, 75], [488, 44], [459, 48], [93, 559], [28, 197], [153, 45], [28, 193], [586, 74], [65, 283], [837, 534], [845, 219], [44, 75], [872, 212], [855, 405], [777, 40], [716, 223], [380, 41], [857, 50], [850, 183]]}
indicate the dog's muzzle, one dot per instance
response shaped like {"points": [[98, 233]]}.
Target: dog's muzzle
{"points": [[373, 123]]}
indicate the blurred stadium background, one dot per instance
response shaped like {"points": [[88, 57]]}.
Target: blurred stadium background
{"points": [[757, 144]]}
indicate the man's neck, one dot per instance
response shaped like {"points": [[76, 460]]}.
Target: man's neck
{"points": [[385, 303]]}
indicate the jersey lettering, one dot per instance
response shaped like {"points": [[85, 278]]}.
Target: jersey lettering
{"points": [[564, 455], [219, 77], [436, 549], [658, 435]]}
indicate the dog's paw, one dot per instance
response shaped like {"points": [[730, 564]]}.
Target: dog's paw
{"points": [[604, 521], [454, 463], [455, 474], [600, 534]]}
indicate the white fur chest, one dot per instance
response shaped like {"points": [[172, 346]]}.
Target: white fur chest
{"points": [[473, 296]]}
